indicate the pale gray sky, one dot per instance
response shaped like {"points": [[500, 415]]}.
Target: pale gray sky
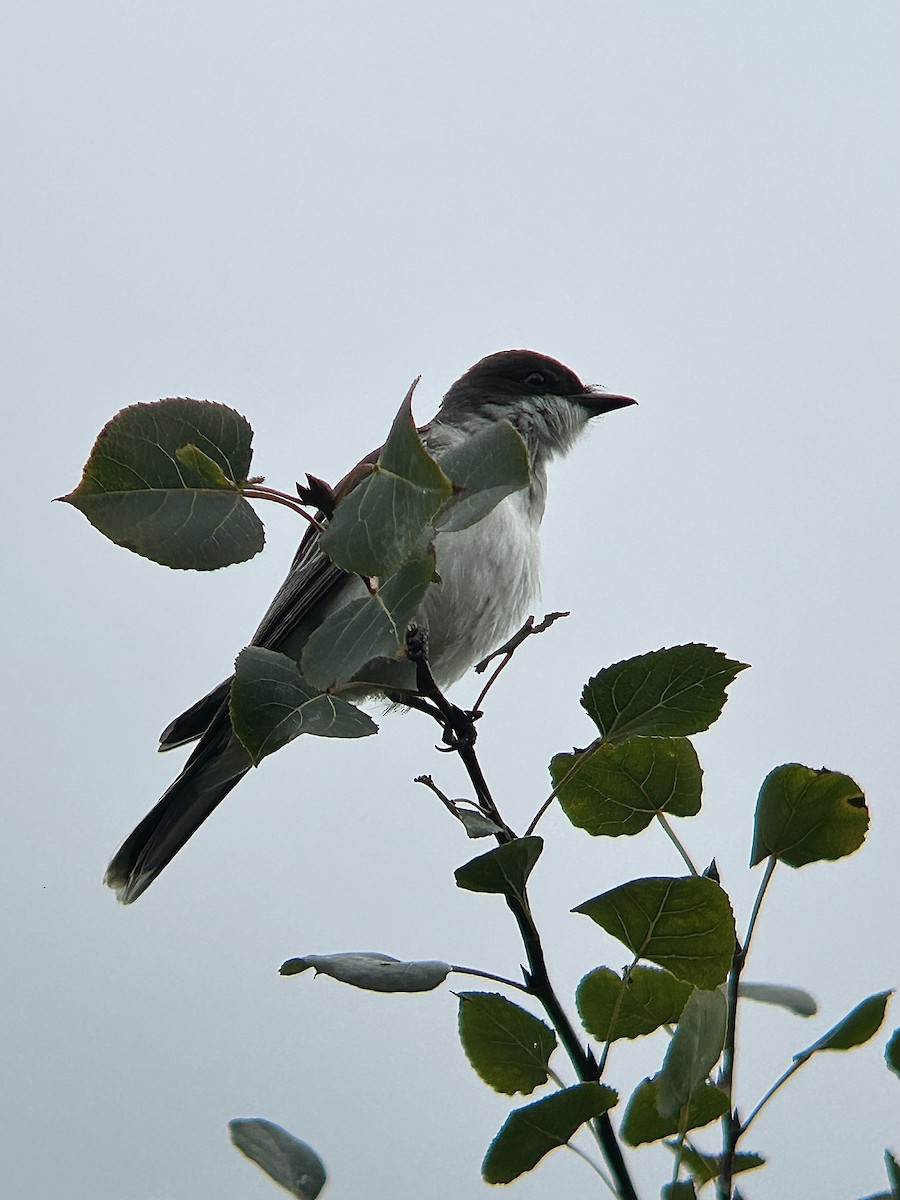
{"points": [[294, 209]]}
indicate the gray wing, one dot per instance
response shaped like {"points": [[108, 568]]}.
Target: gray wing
{"points": [[313, 577]]}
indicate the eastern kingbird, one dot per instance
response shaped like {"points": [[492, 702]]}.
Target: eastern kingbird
{"points": [[488, 578]]}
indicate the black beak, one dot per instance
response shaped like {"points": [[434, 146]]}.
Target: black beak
{"points": [[602, 402]]}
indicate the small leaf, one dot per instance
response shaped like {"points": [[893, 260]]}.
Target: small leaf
{"points": [[486, 468], [667, 693], [706, 1167], [642, 1002], [893, 1172], [642, 1122], [530, 1133], [207, 468], [616, 788], [507, 1046], [368, 629], [386, 519], [892, 1052], [805, 816], [158, 481], [794, 999], [271, 704], [284, 1158], [372, 972], [684, 925], [694, 1050], [504, 870], [476, 823], [859, 1025]]}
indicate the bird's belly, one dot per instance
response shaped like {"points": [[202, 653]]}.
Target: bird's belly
{"points": [[490, 574]]}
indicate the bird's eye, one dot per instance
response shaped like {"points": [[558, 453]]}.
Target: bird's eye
{"points": [[535, 379]]}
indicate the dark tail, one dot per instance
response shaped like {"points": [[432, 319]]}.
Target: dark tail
{"points": [[217, 764]]}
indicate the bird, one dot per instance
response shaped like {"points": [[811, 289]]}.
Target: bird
{"points": [[489, 576]]}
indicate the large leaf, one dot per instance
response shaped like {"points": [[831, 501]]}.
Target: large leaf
{"points": [[507, 1046], [504, 870], [371, 971], [161, 481], [685, 925], [371, 628], [284, 1158], [616, 788], [386, 518], [531, 1132], [643, 1123], [693, 1051], [485, 469], [667, 693], [271, 704], [611, 1007], [805, 816]]}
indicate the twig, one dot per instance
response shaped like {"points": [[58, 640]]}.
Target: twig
{"points": [[508, 649], [732, 1128]]}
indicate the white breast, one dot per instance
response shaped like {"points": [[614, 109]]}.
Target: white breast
{"points": [[484, 594]]}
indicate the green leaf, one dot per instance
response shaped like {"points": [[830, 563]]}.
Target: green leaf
{"points": [[485, 469], [372, 972], [368, 629], [207, 468], [706, 1167], [530, 1133], [284, 1158], [159, 482], [694, 1050], [508, 1047], [386, 519], [503, 870], [667, 693], [616, 788], [684, 925], [859, 1025], [805, 816], [640, 1003], [682, 1189], [892, 1052], [642, 1122], [271, 704]]}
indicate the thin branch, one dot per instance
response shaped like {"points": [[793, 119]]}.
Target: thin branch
{"points": [[508, 649], [732, 1128], [459, 735]]}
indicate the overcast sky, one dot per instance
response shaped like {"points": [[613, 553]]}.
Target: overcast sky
{"points": [[295, 209]]}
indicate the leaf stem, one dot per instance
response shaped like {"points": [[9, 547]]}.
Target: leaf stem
{"points": [[257, 492], [676, 842], [513, 983]]}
